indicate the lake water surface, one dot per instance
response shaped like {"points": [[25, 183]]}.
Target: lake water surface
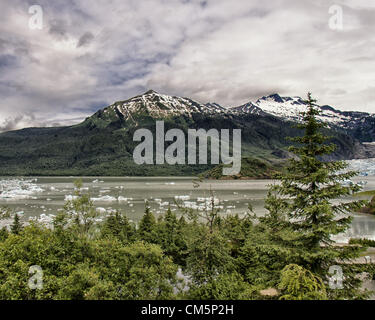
{"points": [[36, 196]]}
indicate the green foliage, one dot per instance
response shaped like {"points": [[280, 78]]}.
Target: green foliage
{"points": [[3, 234], [170, 236], [303, 215], [369, 207], [363, 242], [118, 226], [5, 213], [147, 227], [76, 268], [365, 193], [226, 286], [220, 257], [16, 227], [208, 255], [81, 211], [208, 249], [103, 145], [298, 283], [250, 168]]}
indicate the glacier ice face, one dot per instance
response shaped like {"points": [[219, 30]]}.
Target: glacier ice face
{"points": [[365, 167]]}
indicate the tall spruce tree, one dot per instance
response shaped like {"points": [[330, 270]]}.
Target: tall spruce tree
{"points": [[171, 238], [147, 226], [16, 227], [308, 207]]}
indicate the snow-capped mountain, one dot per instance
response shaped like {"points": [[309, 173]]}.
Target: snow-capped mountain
{"points": [[103, 144], [160, 105], [290, 108], [360, 125]]}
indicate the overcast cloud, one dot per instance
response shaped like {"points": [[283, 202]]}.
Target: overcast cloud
{"points": [[92, 53]]}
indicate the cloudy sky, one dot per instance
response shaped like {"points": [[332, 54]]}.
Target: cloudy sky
{"points": [[89, 54]]}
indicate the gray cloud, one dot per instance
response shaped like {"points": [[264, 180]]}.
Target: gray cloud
{"points": [[18, 122], [85, 39], [214, 50], [58, 29]]}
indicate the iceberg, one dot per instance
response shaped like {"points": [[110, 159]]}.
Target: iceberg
{"points": [[104, 199], [18, 189]]}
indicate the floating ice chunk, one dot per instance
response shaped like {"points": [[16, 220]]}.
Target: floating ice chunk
{"points": [[347, 183], [70, 197], [101, 210], [104, 199], [183, 198], [45, 219], [18, 189], [190, 204]]}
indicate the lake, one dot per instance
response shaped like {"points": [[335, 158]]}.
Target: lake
{"points": [[44, 196]]}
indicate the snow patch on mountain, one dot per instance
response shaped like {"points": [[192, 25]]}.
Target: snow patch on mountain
{"points": [[160, 105], [290, 108]]}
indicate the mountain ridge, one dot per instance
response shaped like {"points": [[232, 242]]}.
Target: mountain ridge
{"points": [[285, 108], [103, 143]]}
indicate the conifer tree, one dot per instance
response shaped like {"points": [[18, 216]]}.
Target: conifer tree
{"points": [[306, 209], [3, 234], [298, 283], [117, 225], [16, 227], [147, 226], [171, 238]]}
